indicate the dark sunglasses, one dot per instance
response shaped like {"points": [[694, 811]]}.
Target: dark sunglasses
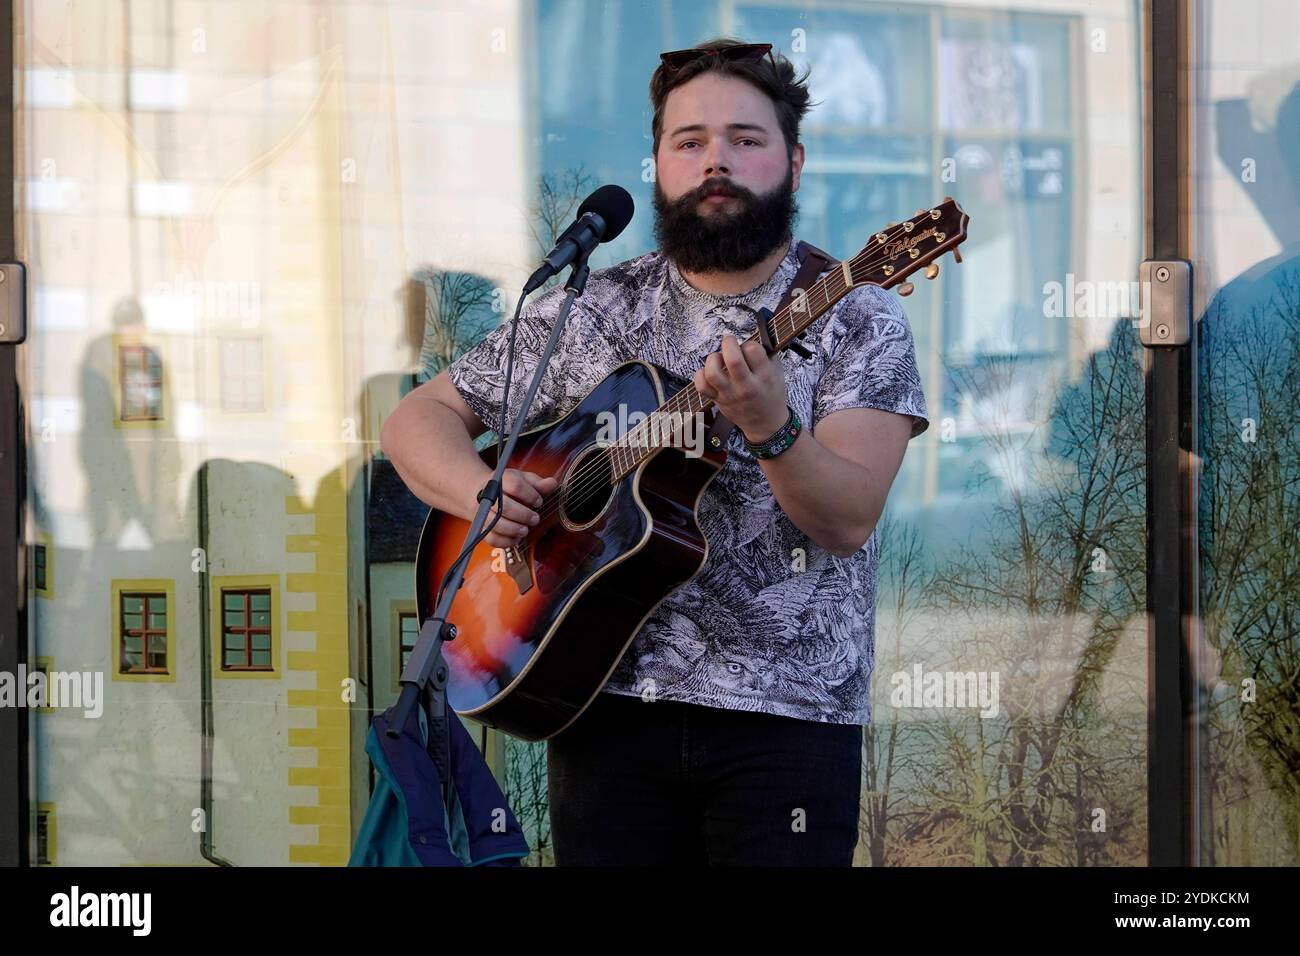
{"points": [[677, 59]]}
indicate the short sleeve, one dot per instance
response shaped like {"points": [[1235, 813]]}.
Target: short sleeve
{"points": [[871, 360], [479, 374]]}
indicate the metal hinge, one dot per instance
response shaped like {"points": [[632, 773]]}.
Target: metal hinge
{"points": [[13, 303], [1166, 292]]}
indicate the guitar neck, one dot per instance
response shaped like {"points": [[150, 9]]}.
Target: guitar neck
{"points": [[661, 428], [886, 260]]}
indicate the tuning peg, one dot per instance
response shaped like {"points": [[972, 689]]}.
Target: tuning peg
{"points": [[890, 225], [920, 212], [956, 254], [932, 270], [906, 288]]}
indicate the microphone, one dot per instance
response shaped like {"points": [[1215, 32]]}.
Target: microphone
{"points": [[601, 217]]}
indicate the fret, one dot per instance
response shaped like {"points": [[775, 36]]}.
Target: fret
{"points": [[877, 262]]}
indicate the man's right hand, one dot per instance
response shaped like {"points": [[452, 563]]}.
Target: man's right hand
{"points": [[522, 493]]}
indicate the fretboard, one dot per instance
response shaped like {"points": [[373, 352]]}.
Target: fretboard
{"points": [[666, 426]]}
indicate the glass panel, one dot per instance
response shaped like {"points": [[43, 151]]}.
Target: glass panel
{"points": [[1013, 547], [242, 256], [1006, 74], [1247, 261]]}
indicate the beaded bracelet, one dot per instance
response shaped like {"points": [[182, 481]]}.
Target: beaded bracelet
{"points": [[785, 437]]}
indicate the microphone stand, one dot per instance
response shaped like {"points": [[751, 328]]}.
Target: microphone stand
{"points": [[425, 674]]}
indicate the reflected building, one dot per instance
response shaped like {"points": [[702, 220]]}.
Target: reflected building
{"points": [[242, 228], [214, 216]]}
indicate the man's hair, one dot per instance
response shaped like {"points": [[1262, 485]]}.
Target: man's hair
{"points": [[788, 95]]}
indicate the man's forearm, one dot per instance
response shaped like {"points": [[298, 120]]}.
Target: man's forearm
{"points": [[434, 455], [834, 501]]}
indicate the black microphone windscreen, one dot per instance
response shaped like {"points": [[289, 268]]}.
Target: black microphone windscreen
{"points": [[614, 205]]}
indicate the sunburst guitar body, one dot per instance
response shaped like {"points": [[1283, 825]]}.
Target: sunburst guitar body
{"points": [[541, 626]]}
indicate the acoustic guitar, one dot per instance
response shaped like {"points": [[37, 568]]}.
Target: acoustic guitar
{"points": [[541, 626]]}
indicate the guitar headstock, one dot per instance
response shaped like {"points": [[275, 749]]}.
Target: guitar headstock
{"points": [[900, 249]]}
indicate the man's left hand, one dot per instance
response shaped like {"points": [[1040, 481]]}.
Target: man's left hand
{"points": [[748, 386]]}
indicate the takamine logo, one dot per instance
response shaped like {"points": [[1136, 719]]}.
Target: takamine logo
{"points": [[899, 246], [102, 909]]}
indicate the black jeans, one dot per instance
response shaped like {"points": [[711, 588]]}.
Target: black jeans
{"points": [[632, 783]]}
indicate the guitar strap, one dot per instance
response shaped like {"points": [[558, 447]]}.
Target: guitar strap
{"points": [[812, 263]]}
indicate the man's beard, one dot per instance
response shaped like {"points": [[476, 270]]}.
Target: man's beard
{"points": [[728, 239]]}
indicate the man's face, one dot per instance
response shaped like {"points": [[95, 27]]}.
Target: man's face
{"points": [[721, 133]]}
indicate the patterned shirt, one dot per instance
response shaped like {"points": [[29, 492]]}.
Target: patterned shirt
{"points": [[773, 622]]}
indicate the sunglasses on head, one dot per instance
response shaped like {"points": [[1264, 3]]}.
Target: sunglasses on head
{"points": [[677, 59]]}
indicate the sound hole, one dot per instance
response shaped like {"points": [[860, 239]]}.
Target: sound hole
{"points": [[588, 487]]}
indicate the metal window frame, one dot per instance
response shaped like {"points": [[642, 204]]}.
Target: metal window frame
{"points": [[16, 824], [1172, 767]]}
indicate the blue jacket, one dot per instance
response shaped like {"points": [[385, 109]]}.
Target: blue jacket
{"points": [[406, 822]]}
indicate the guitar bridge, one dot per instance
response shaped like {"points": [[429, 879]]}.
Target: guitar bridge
{"points": [[517, 567]]}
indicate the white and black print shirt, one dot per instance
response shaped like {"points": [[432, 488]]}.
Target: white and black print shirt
{"points": [[773, 622]]}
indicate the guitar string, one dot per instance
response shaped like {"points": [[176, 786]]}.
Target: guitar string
{"points": [[593, 476]]}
